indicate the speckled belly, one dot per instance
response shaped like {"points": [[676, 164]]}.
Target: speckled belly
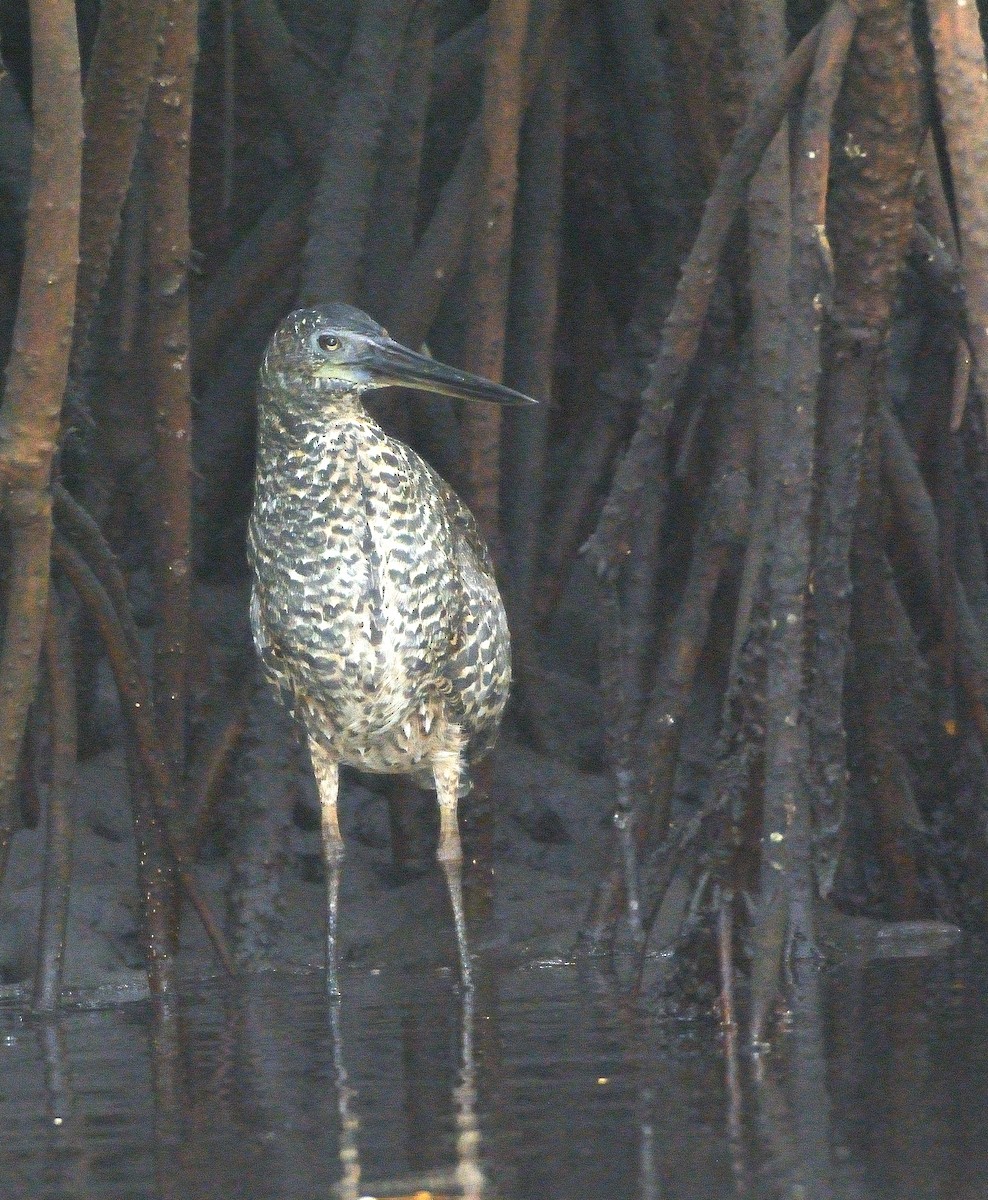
{"points": [[405, 747], [371, 612]]}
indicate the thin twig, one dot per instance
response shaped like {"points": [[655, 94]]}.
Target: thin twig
{"points": [[86, 535], [725, 959]]}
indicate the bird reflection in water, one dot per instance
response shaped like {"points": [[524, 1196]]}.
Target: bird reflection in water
{"points": [[466, 1180]]}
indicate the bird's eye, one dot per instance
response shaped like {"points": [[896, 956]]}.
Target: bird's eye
{"points": [[329, 342]]}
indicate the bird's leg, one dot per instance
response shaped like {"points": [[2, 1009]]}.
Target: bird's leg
{"points": [[327, 773], [447, 766]]}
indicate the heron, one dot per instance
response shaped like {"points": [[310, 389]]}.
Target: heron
{"points": [[374, 607]]}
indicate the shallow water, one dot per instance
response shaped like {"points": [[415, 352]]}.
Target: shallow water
{"points": [[878, 1088]]}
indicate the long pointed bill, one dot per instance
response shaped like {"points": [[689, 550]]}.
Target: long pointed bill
{"points": [[391, 363]]}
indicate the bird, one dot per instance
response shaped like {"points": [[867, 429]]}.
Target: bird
{"points": [[374, 608]]}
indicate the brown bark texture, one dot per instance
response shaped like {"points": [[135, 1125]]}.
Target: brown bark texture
{"points": [[114, 99], [169, 359], [36, 372]]}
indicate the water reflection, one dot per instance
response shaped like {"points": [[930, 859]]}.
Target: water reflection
{"points": [[536, 1085], [466, 1178], [65, 1143], [794, 1112]]}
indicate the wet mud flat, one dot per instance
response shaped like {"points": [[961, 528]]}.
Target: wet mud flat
{"points": [[551, 821]]}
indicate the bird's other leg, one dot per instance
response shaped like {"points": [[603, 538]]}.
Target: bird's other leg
{"points": [[327, 773], [447, 767]]}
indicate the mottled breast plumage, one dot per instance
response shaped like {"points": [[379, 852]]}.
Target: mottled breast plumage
{"points": [[374, 608]]}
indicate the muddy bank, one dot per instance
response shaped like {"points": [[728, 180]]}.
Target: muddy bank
{"points": [[551, 835]]}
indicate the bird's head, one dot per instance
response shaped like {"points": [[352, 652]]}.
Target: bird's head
{"points": [[327, 357]]}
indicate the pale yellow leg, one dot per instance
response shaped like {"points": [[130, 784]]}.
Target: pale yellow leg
{"points": [[327, 773], [447, 766]]}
